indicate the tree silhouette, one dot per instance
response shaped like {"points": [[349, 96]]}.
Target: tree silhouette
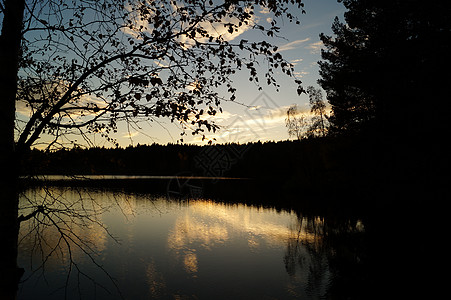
{"points": [[318, 109], [301, 125], [297, 123], [384, 70], [84, 66], [384, 63]]}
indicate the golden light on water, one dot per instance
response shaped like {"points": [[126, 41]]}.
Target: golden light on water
{"points": [[164, 241], [205, 225]]}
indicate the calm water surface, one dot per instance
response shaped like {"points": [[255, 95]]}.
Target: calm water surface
{"points": [[112, 245]]}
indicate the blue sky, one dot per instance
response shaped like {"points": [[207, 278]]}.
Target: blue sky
{"points": [[255, 115], [264, 119]]}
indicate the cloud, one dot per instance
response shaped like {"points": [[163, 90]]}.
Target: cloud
{"points": [[161, 63], [292, 45], [218, 29], [79, 100], [213, 29], [315, 48], [256, 124], [296, 61], [265, 11], [219, 117], [130, 134], [301, 73]]}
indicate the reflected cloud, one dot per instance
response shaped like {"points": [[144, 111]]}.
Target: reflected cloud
{"points": [[155, 280], [190, 263], [206, 225], [175, 249], [189, 231]]}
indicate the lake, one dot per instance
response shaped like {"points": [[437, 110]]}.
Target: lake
{"points": [[109, 244]]}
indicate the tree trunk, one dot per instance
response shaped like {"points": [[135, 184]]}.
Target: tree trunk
{"points": [[10, 40]]}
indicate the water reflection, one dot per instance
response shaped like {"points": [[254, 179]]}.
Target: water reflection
{"points": [[142, 247], [155, 281], [305, 259]]}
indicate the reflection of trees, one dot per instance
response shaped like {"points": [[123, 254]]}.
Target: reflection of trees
{"points": [[326, 255], [305, 255], [63, 229]]}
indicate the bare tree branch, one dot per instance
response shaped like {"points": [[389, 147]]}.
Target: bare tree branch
{"points": [[119, 52]]}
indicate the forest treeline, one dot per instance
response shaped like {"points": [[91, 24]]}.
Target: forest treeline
{"points": [[320, 166]]}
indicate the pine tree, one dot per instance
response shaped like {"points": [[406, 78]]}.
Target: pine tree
{"points": [[385, 64]]}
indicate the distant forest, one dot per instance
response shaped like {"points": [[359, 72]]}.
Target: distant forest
{"points": [[317, 166], [251, 160]]}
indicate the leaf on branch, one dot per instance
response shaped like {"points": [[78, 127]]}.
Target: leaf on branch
{"points": [[156, 80], [300, 90], [138, 81]]}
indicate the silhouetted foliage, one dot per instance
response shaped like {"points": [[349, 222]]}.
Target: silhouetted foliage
{"points": [[302, 125], [297, 123], [384, 66], [320, 122], [88, 65]]}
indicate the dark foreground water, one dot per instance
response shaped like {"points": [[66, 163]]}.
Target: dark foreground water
{"points": [[91, 244]]}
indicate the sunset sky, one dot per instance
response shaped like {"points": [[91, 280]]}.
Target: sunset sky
{"points": [[264, 119], [255, 115]]}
